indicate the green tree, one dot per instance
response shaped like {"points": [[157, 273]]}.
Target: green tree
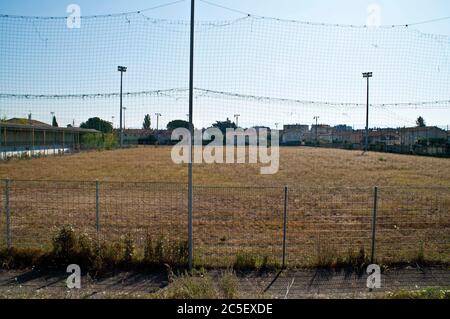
{"points": [[98, 124], [223, 125], [54, 122], [172, 125], [420, 122], [147, 122]]}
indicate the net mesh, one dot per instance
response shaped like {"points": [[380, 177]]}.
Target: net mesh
{"points": [[271, 72]]}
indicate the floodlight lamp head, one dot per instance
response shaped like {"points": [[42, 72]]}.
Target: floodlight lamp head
{"points": [[367, 75], [122, 68]]}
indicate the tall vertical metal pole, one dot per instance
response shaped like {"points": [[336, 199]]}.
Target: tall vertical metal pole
{"points": [[121, 128], [285, 225], [191, 129], [374, 222], [366, 144], [97, 206], [8, 214]]}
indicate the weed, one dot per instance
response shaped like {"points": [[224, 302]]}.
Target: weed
{"points": [[228, 285]]}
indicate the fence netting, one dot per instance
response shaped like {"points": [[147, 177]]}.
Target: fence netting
{"points": [[239, 225], [254, 71], [271, 72]]}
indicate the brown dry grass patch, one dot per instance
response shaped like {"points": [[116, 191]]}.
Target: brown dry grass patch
{"points": [[330, 203], [310, 167]]}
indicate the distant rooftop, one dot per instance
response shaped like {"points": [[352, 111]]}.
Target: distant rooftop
{"points": [[27, 124]]}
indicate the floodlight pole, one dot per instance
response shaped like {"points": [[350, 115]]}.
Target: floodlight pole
{"points": [[367, 75], [124, 121], [316, 118], [157, 120], [191, 130], [121, 69], [236, 116]]}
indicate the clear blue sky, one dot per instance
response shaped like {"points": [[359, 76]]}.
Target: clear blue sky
{"points": [[244, 68]]}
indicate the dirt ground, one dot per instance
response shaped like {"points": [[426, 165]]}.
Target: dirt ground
{"points": [[292, 284]]}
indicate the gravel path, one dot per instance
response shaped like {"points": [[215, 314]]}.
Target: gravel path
{"points": [[289, 283]]}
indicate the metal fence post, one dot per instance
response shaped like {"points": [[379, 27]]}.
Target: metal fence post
{"points": [[8, 214], [97, 206], [285, 224], [374, 222]]}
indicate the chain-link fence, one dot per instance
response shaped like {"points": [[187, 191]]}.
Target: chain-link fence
{"points": [[295, 225]]}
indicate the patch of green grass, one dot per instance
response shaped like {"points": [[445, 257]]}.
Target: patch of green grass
{"points": [[249, 261]]}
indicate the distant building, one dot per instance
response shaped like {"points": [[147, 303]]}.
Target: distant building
{"points": [[137, 136], [412, 135], [19, 136], [387, 137], [295, 133], [163, 137], [343, 128], [322, 133], [348, 137]]}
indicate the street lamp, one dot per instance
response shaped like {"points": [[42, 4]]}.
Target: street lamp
{"points": [[236, 116], [316, 118], [121, 69], [157, 120], [367, 75]]}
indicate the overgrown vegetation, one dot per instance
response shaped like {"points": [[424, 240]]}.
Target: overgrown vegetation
{"points": [[427, 293], [162, 251], [98, 259], [104, 141], [201, 285], [327, 257], [249, 261], [95, 123]]}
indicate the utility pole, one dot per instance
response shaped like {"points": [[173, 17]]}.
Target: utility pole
{"points": [[316, 118], [191, 146], [367, 75], [236, 116], [121, 69], [157, 120]]}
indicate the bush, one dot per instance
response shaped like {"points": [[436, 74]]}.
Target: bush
{"points": [[191, 287], [164, 252], [99, 141], [228, 285], [128, 249], [248, 261]]}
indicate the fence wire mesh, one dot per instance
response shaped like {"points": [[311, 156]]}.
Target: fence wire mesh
{"points": [[413, 224], [269, 72], [327, 224], [240, 226]]}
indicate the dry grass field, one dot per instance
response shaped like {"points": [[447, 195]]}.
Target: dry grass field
{"points": [[307, 167], [238, 213]]}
